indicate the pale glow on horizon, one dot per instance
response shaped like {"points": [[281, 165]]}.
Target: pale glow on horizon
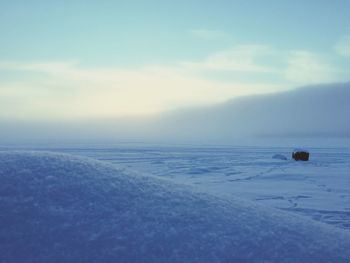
{"points": [[117, 59], [67, 90], [64, 90]]}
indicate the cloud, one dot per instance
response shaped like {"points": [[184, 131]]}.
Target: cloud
{"points": [[343, 46], [304, 67], [66, 90], [209, 34], [241, 58], [49, 67]]}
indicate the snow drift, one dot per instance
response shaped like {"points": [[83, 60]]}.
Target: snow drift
{"points": [[61, 208]]}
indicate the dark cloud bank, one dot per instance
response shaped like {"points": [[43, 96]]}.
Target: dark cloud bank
{"points": [[317, 112]]}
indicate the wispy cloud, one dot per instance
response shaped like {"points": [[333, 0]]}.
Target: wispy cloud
{"points": [[294, 68], [66, 90], [238, 58], [49, 67], [304, 67], [343, 46]]}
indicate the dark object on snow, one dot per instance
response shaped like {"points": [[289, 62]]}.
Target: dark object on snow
{"points": [[279, 157], [300, 155]]}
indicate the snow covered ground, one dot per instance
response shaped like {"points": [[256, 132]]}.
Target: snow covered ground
{"points": [[61, 208], [319, 189]]}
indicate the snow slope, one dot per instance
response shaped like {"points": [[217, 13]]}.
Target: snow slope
{"points": [[61, 208], [318, 189]]}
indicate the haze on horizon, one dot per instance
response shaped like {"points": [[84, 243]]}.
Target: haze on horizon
{"points": [[86, 60]]}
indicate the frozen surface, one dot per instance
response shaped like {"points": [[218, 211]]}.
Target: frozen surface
{"points": [[319, 188], [60, 208]]}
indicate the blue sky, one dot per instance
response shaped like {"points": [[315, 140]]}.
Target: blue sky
{"points": [[79, 59]]}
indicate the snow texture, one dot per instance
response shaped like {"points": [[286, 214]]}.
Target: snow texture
{"points": [[61, 208], [318, 189]]}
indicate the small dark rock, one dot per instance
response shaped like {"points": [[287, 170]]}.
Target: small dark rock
{"points": [[300, 155]]}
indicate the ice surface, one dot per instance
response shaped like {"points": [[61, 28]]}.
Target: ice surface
{"points": [[279, 157], [319, 189], [60, 208]]}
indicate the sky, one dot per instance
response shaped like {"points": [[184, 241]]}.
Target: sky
{"points": [[103, 59]]}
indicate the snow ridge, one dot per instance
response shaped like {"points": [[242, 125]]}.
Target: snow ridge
{"points": [[62, 208]]}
